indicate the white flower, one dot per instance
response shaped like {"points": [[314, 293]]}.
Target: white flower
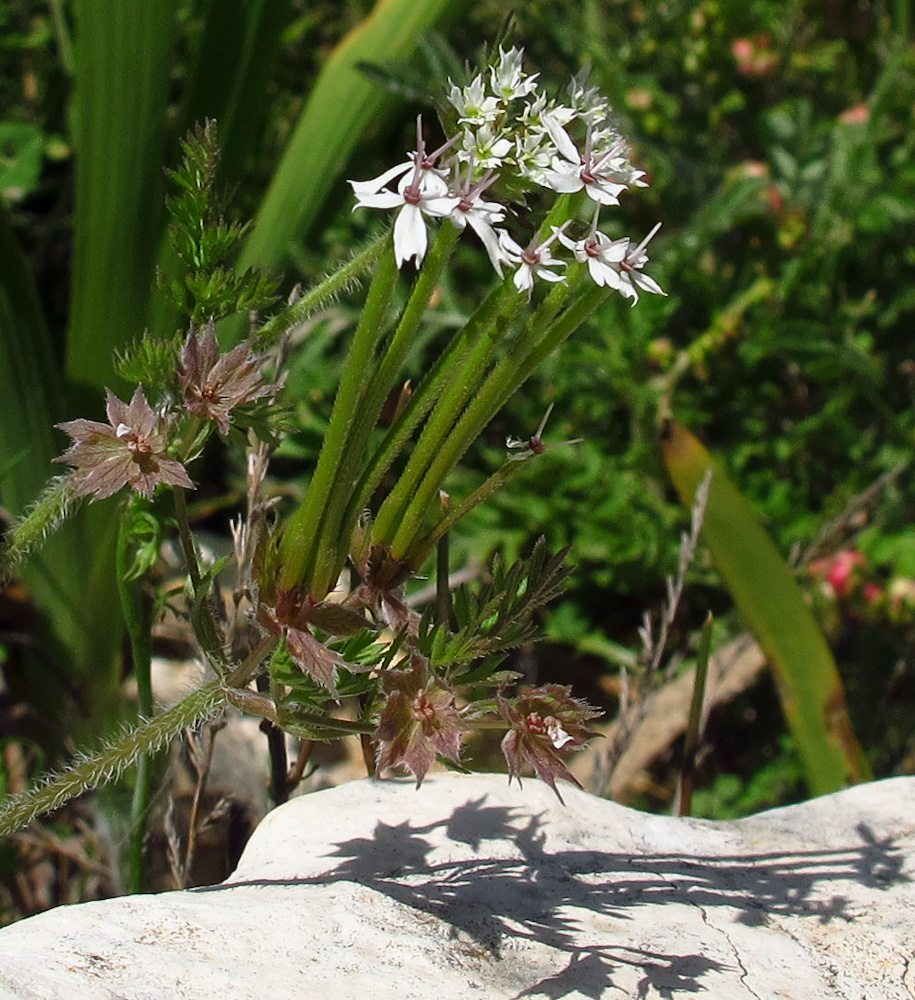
{"points": [[480, 215], [533, 262], [363, 188], [535, 445], [588, 102], [472, 104], [632, 277], [508, 79], [533, 154], [484, 147], [603, 256], [614, 264], [604, 173], [421, 192]]}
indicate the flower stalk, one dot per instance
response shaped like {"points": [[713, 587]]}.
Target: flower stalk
{"points": [[139, 635], [297, 549], [333, 543]]}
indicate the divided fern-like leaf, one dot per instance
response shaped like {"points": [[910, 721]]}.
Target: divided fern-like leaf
{"points": [[495, 618]]}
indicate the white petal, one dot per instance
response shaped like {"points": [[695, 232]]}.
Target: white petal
{"points": [[376, 184], [605, 192], [511, 251], [562, 182], [409, 235], [439, 207], [523, 279], [647, 283], [603, 275], [561, 139], [383, 199], [489, 238], [575, 246], [614, 252]]}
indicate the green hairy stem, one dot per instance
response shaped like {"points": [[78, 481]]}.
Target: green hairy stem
{"points": [[48, 512], [109, 762]]}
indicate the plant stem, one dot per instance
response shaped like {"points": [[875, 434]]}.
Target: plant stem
{"points": [[452, 359], [184, 534], [463, 381], [136, 621], [508, 375], [684, 796], [420, 550], [276, 746], [324, 291], [202, 618], [304, 527], [111, 760], [339, 521], [444, 611]]}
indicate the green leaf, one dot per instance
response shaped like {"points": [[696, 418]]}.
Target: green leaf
{"points": [[342, 104], [30, 383], [238, 50], [123, 53], [771, 602]]}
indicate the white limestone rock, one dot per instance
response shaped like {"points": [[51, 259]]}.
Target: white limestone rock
{"points": [[469, 888]]}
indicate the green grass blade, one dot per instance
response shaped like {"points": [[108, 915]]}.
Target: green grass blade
{"points": [[771, 602], [228, 83], [30, 383], [77, 651], [342, 104], [123, 66], [237, 55]]}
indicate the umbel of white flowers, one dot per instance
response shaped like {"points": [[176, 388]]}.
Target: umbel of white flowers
{"points": [[505, 127]]}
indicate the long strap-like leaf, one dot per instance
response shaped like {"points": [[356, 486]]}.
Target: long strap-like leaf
{"points": [[771, 602], [123, 67]]}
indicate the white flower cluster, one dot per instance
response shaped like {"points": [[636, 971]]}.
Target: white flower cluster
{"points": [[507, 129]]}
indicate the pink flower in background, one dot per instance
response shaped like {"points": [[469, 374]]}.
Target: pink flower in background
{"points": [[130, 450], [753, 56], [839, 571], [859, 114]]}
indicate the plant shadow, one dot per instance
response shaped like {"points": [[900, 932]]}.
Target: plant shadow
{"points": [[538, 895]]}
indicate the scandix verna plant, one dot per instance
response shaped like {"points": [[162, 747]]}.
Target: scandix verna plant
{"points": [[287, 644]]}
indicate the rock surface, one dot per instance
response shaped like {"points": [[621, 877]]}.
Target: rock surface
{"points": [[469, 888]]}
